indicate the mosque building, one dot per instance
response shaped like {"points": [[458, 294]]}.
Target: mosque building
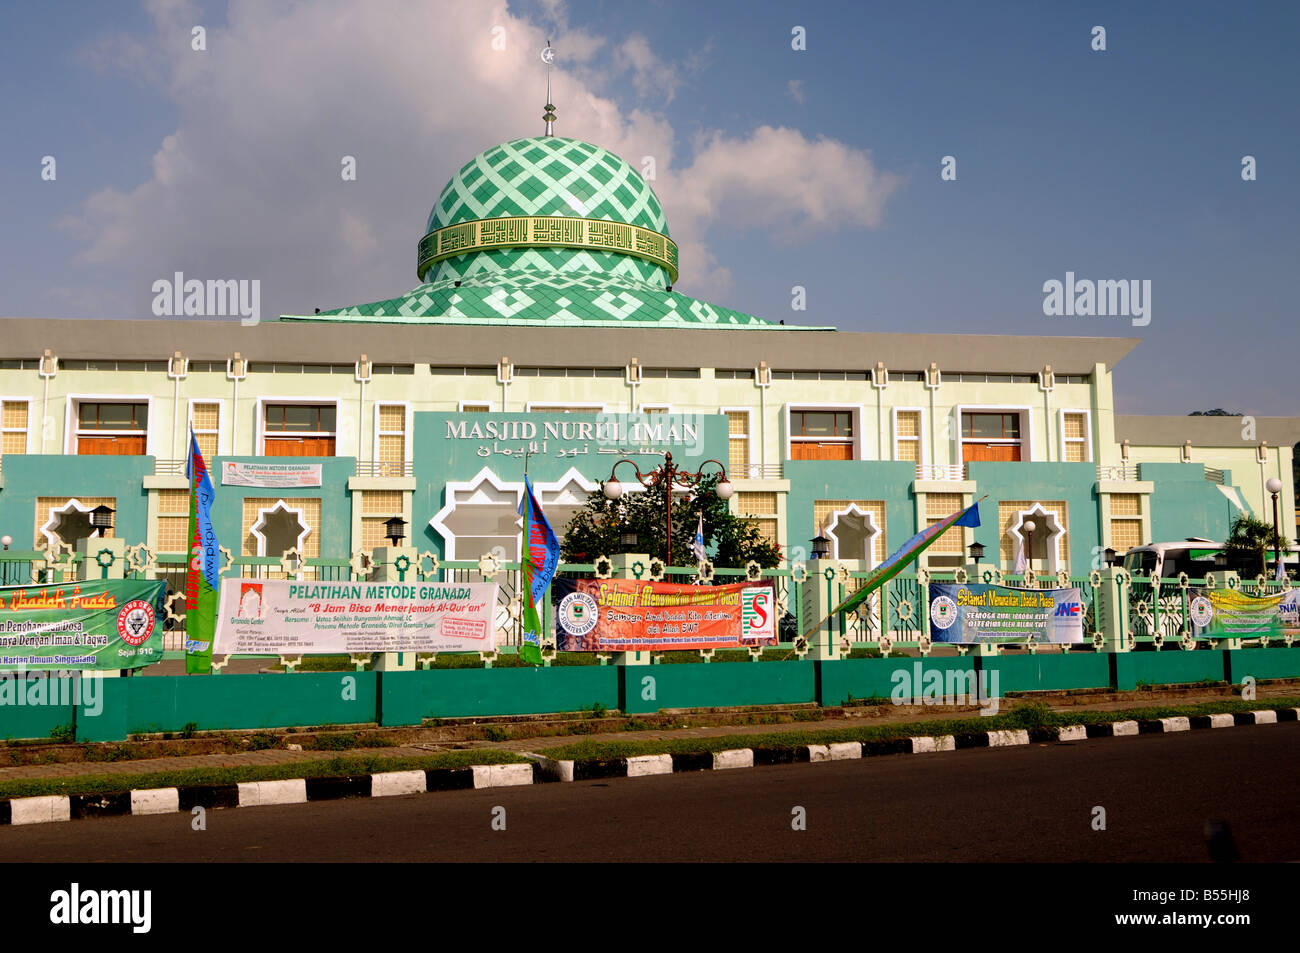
{"points": [[546, 327]]}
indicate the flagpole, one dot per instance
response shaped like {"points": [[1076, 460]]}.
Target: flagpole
{"points": [[804, 635]]}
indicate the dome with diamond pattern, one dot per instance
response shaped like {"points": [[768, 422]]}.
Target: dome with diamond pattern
{"points": [[548, 176], [546, 232]]}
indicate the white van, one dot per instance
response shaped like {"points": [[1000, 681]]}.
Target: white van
{"points": [[1194, 556]]}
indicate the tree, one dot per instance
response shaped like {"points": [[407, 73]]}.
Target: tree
{"points": [[1249, 542], [598, 529]]}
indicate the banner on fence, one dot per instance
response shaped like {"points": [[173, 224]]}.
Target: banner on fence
{"points": [[94, 625], [273, 475], [985, 613], [285, 617], [628, 615], [1232, 614]]}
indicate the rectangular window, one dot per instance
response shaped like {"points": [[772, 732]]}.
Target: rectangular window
{"points": [[112, 429], [738, 444], [205, 418], [761, 508], [392, 433], [907, 435], [1125, 534], [821, 435], [300, 430], [990, 436], [172, 524], [939, 506], [377, 507], [468, 408], [1075, 437], [15, 427], [727, 374]]}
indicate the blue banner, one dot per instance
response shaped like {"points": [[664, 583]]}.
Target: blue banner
{"points": [[971, 613]]}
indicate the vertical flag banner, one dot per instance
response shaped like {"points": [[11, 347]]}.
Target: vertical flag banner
{"points": [[202, 577], [907, 553], [698, 546], [540, 557]]}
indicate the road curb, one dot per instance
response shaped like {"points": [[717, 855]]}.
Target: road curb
{"points": [[52, 808]]}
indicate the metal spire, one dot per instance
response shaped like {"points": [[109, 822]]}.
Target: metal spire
{"points": [[548, 57]]}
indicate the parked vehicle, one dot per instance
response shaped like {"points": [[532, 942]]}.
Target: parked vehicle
{"points": [[1194, 556]]}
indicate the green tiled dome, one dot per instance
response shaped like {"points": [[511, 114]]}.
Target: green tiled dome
{"points": [[594, 271], [548, 175], [552, 176]]}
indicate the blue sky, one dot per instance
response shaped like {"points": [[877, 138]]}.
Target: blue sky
{"points": [[1117, 164]]}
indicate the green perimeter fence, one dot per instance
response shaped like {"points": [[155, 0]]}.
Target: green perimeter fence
{"points": [[879, 647]]}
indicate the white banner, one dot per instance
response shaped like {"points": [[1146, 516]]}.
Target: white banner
{"points": [[284, 617], [274, 475]]}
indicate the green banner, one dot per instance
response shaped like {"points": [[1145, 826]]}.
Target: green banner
{"points": [[1233, 614], [99, 624]]}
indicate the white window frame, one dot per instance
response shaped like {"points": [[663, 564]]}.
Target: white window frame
{"points": [[223, 448], [264, 511], [644, 409], [1027, 454], [748, 438], [18, 400], [72, 417], [1087, 432], [406, 433], [856, 410], [72, 502], [922, 458], [260, 409], [460, 406]]}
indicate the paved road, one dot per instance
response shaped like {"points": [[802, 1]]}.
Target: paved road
{"points": [[1015, 804]]}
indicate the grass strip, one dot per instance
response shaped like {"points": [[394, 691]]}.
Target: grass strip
{"points": [[321, 768], [1027, 715]]}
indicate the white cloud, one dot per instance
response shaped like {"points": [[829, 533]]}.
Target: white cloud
{"points": [[249, 185], [795, 89]]}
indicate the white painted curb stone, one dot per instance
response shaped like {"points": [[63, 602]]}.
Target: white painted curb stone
{"points": [[502, 775], [1121, 728], [735, 758], [644, 765], [845, 750], [1265, 717], [1073, 733], [40, 810], [156, 801], [928, 743], [1177, 723], [261, 793], [1222, 721], [818, 753], [394, 783], [1003, 739]]}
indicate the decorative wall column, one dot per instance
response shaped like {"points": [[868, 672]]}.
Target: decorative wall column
{"points": [[621, 567], [394, 564]]}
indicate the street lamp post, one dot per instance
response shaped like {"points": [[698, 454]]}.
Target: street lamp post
{"points": [[1274, 487], [669, 476], [1030, 526]]}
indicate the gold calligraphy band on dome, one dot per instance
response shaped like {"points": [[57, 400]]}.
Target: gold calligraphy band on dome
{"points": [[547, 231]]}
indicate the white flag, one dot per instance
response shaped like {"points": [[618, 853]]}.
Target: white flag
{"points": [[698, 546], [1021, 562]]}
